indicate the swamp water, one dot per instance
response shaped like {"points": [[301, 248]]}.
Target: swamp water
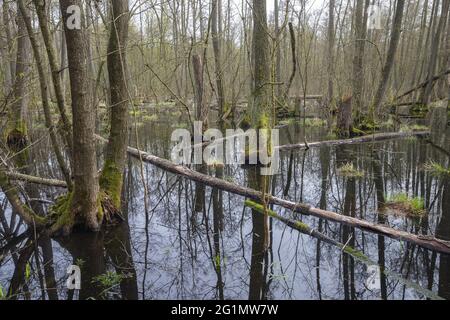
{"points": [[169, 251]]}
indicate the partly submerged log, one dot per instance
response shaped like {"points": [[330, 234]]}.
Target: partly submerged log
{"points": [[356, 254], [376, 137], [428, 242]]}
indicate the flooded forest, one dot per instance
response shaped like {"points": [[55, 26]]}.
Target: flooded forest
{"points": [[225, 150]]}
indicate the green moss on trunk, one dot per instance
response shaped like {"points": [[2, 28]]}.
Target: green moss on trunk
{"points": [[111, 182], [62, 215]]}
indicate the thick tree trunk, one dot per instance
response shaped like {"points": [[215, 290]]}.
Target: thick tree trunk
{"points": [[260, 111], [261, 118], [330, 53], [84, 206], [358, 56], [116, 151], [201, 114], [390, 58], [216, 40]]}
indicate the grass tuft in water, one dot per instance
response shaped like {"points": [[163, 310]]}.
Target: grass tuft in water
{"points": [[348, 170], [402, 203], [109, 279]]}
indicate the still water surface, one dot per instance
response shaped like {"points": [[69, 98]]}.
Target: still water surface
{"points": [[169, 251]]}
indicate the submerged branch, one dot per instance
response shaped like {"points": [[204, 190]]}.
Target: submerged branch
{"points": [[356, 254]]}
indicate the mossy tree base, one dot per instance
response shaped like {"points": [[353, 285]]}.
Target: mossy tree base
{"points": [[65, 218]]}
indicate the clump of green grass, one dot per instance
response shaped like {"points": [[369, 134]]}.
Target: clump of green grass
{"points": [[109, 279], [348, 170], [402, 203], [436, 169]]}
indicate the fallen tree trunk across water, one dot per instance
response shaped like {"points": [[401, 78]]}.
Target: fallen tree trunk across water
{"points": [[369, 138], [423, 241]]}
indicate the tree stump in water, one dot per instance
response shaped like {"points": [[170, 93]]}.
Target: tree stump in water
{"points": [[344, 117]]}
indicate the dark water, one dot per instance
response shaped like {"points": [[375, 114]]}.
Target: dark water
{"points": [[169, 251]]}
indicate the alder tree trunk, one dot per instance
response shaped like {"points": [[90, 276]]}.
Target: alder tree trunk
{"points": [[116, 151], [390, 58], [84, 207]]}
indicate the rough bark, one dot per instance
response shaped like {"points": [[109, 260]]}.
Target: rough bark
{"points": [[358, 54], [260, 106], [83, 207], [330, 53], [216, 40], [112, 173], [390, 58]]}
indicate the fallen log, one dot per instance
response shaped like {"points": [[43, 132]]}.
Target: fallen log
{"points": [[307, 97], [423, 241], [363, 139], [356, 254]]}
